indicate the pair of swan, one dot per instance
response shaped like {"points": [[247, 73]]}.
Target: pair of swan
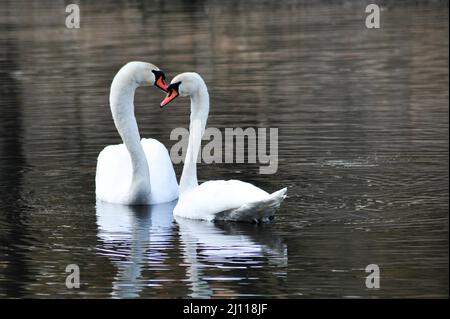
{"points": [[139, 172]]}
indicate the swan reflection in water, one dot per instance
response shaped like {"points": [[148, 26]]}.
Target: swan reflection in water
{"points": [[227, 246], [131, 237], [142, 238]]}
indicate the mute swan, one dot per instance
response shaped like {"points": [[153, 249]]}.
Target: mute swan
{"points": [[138, 172], [230, 200]]}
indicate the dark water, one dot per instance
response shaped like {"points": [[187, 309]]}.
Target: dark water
{"points": [[363, 148]]}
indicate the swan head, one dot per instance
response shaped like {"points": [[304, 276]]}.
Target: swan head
{"points": [[184, 84], [145, 74]]}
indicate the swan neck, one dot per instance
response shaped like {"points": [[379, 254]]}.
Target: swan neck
{"points": [[198, 119], [122, 109]]}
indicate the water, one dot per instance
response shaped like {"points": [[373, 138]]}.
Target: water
{"points": [[363, 148]]}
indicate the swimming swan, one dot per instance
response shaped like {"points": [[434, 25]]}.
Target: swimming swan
{"points": [[138, 172], [230, 200]]}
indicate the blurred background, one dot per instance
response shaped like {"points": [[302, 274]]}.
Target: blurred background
{"points": [[363, 147]]}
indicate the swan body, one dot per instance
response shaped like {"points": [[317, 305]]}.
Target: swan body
{"points": [[137, 172], [230, 200], [114, 174]]}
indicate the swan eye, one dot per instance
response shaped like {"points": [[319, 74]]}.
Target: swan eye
{"points": [[175, 86]]}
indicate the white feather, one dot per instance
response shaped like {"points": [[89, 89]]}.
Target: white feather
{"points": [[114, 173]]}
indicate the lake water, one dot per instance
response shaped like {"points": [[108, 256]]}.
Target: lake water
{"points": [[363, 148]]}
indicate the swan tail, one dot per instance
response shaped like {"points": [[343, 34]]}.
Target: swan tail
{"points": [[257, 212]]}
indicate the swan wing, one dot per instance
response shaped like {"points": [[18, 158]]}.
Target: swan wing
{"points": [[163, 181], [114, 172], [113, 176], [227, 200], [258, 211]]}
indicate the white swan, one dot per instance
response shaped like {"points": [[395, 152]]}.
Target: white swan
{"points": [[231, 200], [138, 172]]}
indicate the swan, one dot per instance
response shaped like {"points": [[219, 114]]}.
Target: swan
{"points": [[137, 172], [230, 200]]}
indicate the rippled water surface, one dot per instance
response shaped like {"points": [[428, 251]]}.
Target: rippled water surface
{"points": [[363, 148]]}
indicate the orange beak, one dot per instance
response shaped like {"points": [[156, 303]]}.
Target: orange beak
{"points": [[170, 96], [161, 83]]}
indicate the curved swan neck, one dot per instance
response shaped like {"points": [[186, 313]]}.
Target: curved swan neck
{"points": [[121, 101], [198, 119]]}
